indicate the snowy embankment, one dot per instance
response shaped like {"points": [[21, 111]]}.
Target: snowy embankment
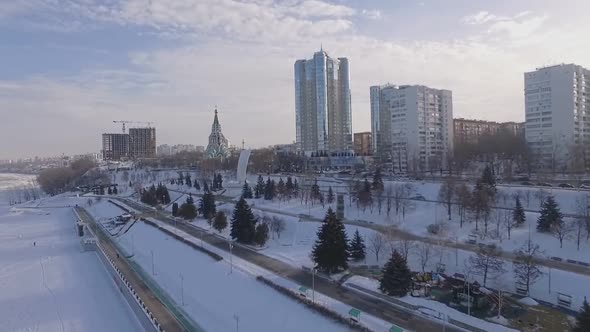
{"points": [[212, 295], [432, 308], [45, 285]]}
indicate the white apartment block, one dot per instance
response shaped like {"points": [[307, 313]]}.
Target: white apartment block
{"points": [[557, 103], [421, 127]]}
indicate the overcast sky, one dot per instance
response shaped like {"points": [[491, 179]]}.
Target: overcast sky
{"points": [[70, 67]]}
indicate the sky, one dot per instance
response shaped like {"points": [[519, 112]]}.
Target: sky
{"points": [[71, 67]]}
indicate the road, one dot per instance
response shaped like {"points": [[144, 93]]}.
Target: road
{"points": [[331, 289], [399, 234], [168, 321]]}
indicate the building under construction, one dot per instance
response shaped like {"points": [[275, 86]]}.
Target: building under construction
{"points": [[139, 143], [115, 146], [142, 142]]}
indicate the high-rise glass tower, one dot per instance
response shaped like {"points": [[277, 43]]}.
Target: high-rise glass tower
{"points": [[322, 104]]}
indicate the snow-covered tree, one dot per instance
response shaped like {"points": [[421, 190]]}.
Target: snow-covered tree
{"points": [[550, 215], [486, 263], [397, 278], [526, 268], [357, 247], [583, 318], [243, 223], [330, 251]]}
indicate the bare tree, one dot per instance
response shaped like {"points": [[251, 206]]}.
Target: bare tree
{"points": [[425, 252], [463, 199], [446, 193], [388, 197], [508, 221], [407, 205], [561, 230], [404, 247], [541, 196], [377, 241], [527, 197], [277, 226], [486, 263], [525, 264], [379, 198], [583, 212]]}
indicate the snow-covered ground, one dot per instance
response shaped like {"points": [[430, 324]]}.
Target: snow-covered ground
{"points": [[54, 286], [212, 296]]}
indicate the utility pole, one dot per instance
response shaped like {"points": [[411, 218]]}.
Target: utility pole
{"points": [[153, 269]]}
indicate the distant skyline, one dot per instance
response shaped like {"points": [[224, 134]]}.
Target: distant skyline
{"points": [[71, 67]]}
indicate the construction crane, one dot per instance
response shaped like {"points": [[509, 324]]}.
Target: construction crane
{"points": [[124, 122]]}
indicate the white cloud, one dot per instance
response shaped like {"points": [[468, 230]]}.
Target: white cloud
{"points": [[372, 14], [479, 18], [243, 62]]}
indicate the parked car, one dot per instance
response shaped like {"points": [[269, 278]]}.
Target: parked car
{"points": [[522, 178], [419, 197], [585, 186], [565, 185], [527, 183], [544, 184]]}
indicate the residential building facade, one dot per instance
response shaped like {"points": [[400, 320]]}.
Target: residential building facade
{"points": [[468, 131], [323, 113], [381, 104], [421, 128], [363, 143], [557, 103]]}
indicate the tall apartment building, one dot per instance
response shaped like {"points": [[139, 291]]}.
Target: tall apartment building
{"points": [[421, 126], [115, 146], [142, 142], [322, 104], [381, 105], [557, 102], [470, 131], [363, 143]]}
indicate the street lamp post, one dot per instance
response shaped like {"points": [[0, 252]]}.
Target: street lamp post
{"points": [[182, 289], [237, 319], [153, 268], [231, 265]]}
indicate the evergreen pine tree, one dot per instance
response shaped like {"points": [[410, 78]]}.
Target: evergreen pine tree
{"points": [[187, 180], [109, 191], [190, 199], [115, 190], [518, 214], [295, 187], [130, 184], [197, 186], [246, 190], [330, 251], [187, 211], [377, 181], [102, 190], [315, 190], [330, 195], [488, 177], [205, 187], [243, 223], [175, 209], [583, 318], [550, 215], [261, 234], [220, 221], [397, 278], [268, 190], [219, 181], [289, 187], [259, 189], [207, 206], [357, 247], [281, 189]]}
